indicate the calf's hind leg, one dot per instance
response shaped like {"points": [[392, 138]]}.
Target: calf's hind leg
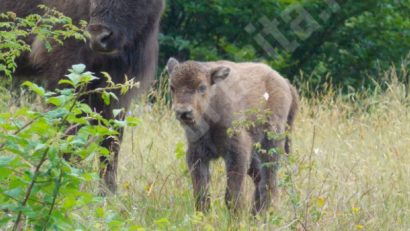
{"points": [[263, 170], [260, 193]]}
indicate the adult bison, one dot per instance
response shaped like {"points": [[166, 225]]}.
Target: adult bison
{"points": [[225, 108], [122, 42]]}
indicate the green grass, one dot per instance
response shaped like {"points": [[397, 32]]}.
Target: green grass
{"points": [[349, 170]]}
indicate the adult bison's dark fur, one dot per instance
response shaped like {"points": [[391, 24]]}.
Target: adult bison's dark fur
{"points": [[123, 41], [209, 98]]}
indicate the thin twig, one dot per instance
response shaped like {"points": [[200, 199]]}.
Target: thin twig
{"points": [[30, 188], [101, 90], [55, 195], [21, 129], [286, 227]]}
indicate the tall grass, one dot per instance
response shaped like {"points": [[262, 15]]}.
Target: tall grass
{"points": [[349, 170]]}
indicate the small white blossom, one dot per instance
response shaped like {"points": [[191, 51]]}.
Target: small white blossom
{"points": [[266, 96]]}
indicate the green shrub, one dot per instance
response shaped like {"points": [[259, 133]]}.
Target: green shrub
{"points": [[39, 188], [37, 183]]}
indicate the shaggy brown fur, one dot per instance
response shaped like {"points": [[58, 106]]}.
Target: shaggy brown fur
{"points": [[208, 98], [123, 41]]}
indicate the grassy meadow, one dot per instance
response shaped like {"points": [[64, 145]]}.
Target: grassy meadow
{"points": [[349, 170]]}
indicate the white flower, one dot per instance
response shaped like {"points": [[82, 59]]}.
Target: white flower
{"points": [[266, 96]]}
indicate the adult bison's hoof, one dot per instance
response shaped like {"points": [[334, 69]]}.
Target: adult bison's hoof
{"points": [[108, 186], [106, 190]]}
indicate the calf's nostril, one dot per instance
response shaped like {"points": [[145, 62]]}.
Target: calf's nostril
{"points": [[184, 115]]}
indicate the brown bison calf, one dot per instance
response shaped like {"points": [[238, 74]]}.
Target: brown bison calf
{"points": [[226, 108]]}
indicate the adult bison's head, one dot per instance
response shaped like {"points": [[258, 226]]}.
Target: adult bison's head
{"points": [[119, 25], [191, 85]]}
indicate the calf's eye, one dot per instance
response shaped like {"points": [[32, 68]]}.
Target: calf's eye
{"points": [[202, 89]]}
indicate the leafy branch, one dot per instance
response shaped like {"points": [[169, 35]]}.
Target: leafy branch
{"points": [[46, 139], [52, 27]]}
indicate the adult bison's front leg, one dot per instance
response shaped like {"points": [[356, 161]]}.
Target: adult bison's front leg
{"points": [[109, 164]]}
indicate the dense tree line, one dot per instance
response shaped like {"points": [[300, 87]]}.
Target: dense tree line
{"points": [[351, 41]]}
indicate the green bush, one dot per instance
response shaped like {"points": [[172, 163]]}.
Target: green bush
{"points": [[39, 187], [37, 183]]}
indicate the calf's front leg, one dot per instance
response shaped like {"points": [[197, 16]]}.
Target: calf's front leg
{"points": [[237, 164], [199, 169]]}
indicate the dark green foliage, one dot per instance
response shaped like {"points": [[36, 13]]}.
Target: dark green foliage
{"points": [[348, 41]]}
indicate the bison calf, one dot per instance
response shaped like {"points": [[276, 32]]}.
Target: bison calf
{"points": [[226, 108]]}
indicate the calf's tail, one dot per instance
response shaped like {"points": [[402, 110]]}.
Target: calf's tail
{"points": [[291, 117]]}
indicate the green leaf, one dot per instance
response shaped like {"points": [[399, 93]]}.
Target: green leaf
{"points": [[79, 68], [14, 139], [116, 112], [66, 81], [57, 113], [104, 151], [74, 77], [69, 202], [5, 160], [120, 123], [86, 109], [35, 88], [87, 78], [57, 101], [114, 96], [5, 173], [133, 121], [106, 97], [14, 193]]}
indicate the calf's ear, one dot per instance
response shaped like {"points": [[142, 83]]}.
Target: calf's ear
{"points": [[172, 63], [219, 74]]}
